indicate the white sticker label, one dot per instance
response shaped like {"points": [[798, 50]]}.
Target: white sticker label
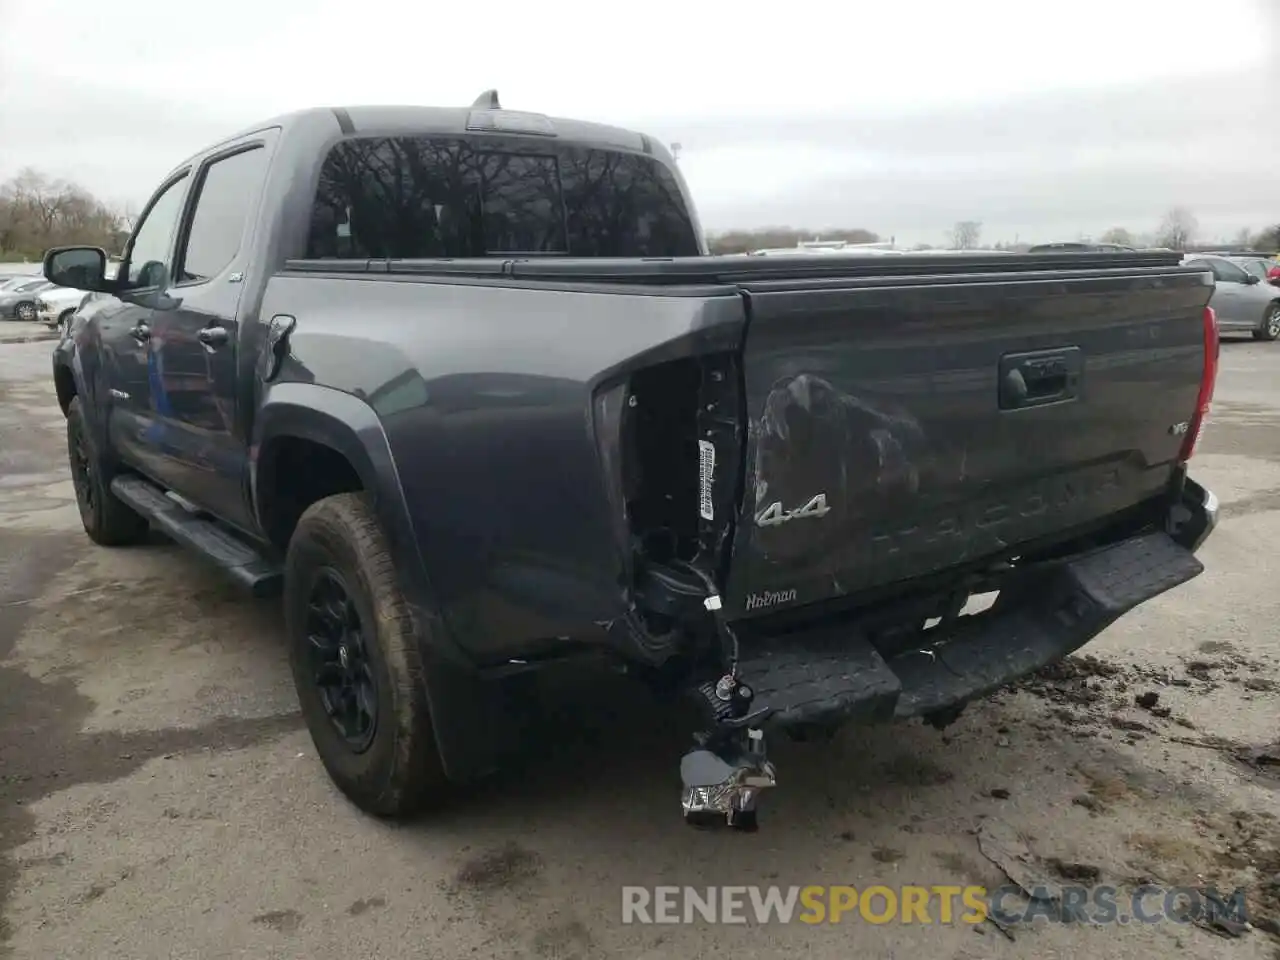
{"points": [[706, 472]]}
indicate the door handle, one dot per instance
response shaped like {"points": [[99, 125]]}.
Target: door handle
{"points": [[212, 336], [141, 333]]}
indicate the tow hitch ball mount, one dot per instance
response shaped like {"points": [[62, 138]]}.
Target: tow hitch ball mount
{"points": [[724, 774]]}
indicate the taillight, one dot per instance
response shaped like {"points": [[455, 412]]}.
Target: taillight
{"points": [[1208, 378], [1273, 273]]}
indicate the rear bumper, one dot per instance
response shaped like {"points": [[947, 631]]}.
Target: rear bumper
{"points": [[1194, 516], [828, 676]]}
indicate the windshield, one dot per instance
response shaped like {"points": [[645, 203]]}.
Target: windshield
{"points": [[431, 197]]}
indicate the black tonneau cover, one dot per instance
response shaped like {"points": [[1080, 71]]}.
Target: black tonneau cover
{"points": [[684, 271]]}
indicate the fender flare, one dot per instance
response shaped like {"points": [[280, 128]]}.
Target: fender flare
{"points": [[460, 705], [67, 357], [348, 425]]}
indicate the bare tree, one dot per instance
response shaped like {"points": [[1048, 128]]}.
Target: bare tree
{"points": [[1243, 239], [965, 234], [1118, 235], [37, 212], [1177, 229]]}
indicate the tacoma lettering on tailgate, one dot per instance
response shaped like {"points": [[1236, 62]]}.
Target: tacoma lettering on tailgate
{"points": [[983, 523]]}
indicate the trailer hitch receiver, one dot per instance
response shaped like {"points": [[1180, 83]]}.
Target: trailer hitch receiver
{"points": [[725, 773]]}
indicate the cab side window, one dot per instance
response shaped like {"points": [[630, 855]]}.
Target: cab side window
{"points": [[227, 189], [150, 259]]}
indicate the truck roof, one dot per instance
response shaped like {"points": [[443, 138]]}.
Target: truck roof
{"points": [[404, 120]]}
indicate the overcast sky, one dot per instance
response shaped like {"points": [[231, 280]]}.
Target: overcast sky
{"points": [[1042, 120]]}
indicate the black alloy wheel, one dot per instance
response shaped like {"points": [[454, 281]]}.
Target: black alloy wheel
{"points": [[338, 657]]}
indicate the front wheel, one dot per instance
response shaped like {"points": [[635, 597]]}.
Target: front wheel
{"points": [[25, 312], [1270, 328], [355, 660], [107, 520]]}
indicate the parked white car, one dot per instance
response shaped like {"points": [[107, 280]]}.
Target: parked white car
{"points": [[56, 304]]}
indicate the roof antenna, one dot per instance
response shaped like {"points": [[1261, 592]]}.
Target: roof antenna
{"points": [[487, 101]]}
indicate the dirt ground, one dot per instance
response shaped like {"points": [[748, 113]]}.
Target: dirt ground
{"points": [[159, 797]]}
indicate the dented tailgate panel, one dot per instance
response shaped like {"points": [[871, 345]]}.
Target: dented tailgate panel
{"points": [[896, 431]]}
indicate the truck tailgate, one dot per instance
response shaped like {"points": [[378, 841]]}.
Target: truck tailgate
{"points": [[902, 426]]}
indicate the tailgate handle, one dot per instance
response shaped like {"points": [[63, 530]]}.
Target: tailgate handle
{"points": [[1044, 377], [1034, 379]]}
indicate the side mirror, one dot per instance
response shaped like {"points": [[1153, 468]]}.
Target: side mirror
{"points": [[1253, 280], [81, 268]]}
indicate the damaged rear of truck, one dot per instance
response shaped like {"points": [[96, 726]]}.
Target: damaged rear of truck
{"points": [[781, 484], [815, 489]]}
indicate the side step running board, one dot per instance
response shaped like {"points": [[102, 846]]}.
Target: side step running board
{"points": [[241, 561]]}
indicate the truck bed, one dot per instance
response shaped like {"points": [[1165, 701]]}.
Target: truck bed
{"points": [[881, 420]]}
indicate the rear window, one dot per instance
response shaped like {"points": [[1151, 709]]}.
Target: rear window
{"points": [[427, 197]]}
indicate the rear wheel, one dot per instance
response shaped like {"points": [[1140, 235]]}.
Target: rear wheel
{"points": [[106, 519], [1270, 328], [355, 660]]}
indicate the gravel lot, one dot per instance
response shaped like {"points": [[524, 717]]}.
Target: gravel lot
{"points": [[159, 797]]}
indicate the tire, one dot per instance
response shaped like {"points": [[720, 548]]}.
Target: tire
{"points": [[25, 312], [106, 519], [1270, 328], [64, 320], [385, 759]]}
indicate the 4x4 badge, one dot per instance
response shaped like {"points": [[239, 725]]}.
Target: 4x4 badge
{"points": [[774, 514]]}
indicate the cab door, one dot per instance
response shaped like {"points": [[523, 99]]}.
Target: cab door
{"points": [[196, 333], [124, 325]]}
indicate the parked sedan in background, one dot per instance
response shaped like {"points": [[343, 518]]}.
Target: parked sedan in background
{"points": [[57, 304], [1244, 301], [19, 301]]}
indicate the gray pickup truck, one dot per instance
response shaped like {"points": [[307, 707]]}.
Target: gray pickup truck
{"points": [[464, 386]]}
